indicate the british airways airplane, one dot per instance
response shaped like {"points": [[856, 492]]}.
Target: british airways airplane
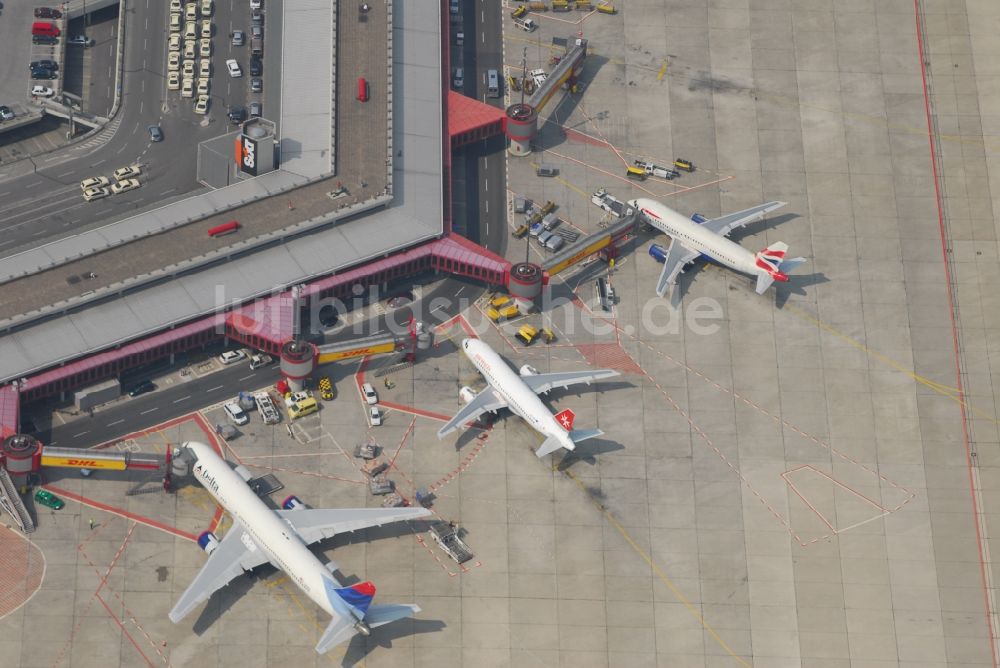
{"points": [[260, 535], [691, 239], [519, 392]]}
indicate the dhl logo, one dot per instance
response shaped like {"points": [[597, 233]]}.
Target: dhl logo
{"points": [[83, 463]]}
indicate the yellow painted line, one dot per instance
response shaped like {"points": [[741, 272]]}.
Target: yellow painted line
{"points": [[691, 608], [663, 70]]}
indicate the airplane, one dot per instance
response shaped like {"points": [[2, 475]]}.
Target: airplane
{"points": [[519, 392], [260, 535], [691, 237]]}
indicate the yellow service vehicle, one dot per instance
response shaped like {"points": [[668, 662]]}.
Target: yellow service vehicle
{"points": [[560, 6], [547, 334], [326, 389], [301, 408], [636, 173], [520, 232], [686, 165], [526, 334], [519, 12], [505, 313], [606, 8], [500, 300]]}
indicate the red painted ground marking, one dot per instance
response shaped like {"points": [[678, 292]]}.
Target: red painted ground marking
{"points": [[440, 417], [584, 138], [22, 570], [402, 441], [124, 630], [956, 350], [122, 513], [786, 476], [609, 355], [462, 466]]}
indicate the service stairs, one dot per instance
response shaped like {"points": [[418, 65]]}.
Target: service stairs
{"points": [[12, 503]]}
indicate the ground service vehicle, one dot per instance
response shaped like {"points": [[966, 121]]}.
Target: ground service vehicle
{"points": [[362, 89], [445, 534], [526, 334], [492, 83], [499, 301], [297, 409], [686, 165], [235, 413], [49, 499], [266, 408], [546, 170], [635, 173], [504, 313], [369, 393], [520, 232], [326, 389]]}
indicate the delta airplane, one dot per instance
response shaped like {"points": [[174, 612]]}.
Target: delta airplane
{"points": [[519, 393], [260, 535], [693, 237]]}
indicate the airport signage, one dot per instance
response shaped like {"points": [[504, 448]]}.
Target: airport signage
{"points": [[246, 155]]}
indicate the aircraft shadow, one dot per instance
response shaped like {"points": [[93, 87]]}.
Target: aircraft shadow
{"points": [[587, 452], [359, 647]]}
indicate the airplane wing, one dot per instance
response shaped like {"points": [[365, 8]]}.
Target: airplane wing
{"points": [[543, 382], [485, 401], [678, 256], [313, 524], [236, 553], [723, 225]]}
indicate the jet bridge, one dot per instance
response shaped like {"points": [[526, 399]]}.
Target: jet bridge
{"points": [[521, 122]]}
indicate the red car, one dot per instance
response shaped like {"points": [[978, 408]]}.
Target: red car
{"points": [[47, 13]]}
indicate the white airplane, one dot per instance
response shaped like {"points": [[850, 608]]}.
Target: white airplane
{"points": [[692, 237], [260, 535], [520, 393]]}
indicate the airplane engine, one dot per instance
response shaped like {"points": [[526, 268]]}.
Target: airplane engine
{"points": [[528, 370], [466, 395], [293, 503], [208, 542]]}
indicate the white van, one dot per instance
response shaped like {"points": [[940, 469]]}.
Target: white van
{"points": [[236, 413], [492, 83], [459, 80]]}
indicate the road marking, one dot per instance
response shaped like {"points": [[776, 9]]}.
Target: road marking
{"points": [[99, 162], [177, 401], [213, 389], [150, 410], [248, 377], [112, 424], [81, 434], [486, 185]]}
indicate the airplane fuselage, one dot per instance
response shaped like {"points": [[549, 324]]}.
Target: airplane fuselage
{"points": [[521, 400], [692, 235], [273, 535]]}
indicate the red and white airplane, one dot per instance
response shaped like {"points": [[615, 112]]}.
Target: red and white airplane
{"points": [[691, 238], [519, 392]]}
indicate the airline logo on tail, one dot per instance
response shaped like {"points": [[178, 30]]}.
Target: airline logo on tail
{"points": [[565, 419], [357, 596], [770, 259]]}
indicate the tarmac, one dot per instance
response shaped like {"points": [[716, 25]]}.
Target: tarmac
{"points": [[803, 478]]}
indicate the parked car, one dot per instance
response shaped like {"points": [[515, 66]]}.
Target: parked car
{"points": [[239, 38], [256, 85], [173, 80], [190, 12], [206, 29], [44, 39], [42, 91], [234, 68], [49, 499], [232, 356], [374, 416], [176, 6], [201, 105], [155, 133], [236, 414], [47, 13], [80, 40], [255, 4], [205, 68], [174, 44], [190, 50], [94, 182], [258, 361], [173, 61], [142, 387], [43, 73], [190, 30], [256, 31], [206, 7], [369, 393], [237, 115], [47, 64], [124, 186], [257, 18], [205, 48], [6, 113], [187, 87], [256, 110], [256, 66], [203, 86]]}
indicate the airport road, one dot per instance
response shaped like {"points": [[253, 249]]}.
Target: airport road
{"points": [[45, 202], [167, 402]]}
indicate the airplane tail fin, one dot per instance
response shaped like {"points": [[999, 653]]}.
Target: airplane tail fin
{"points": [[773, 266], [358, 600], [551, 444]]}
